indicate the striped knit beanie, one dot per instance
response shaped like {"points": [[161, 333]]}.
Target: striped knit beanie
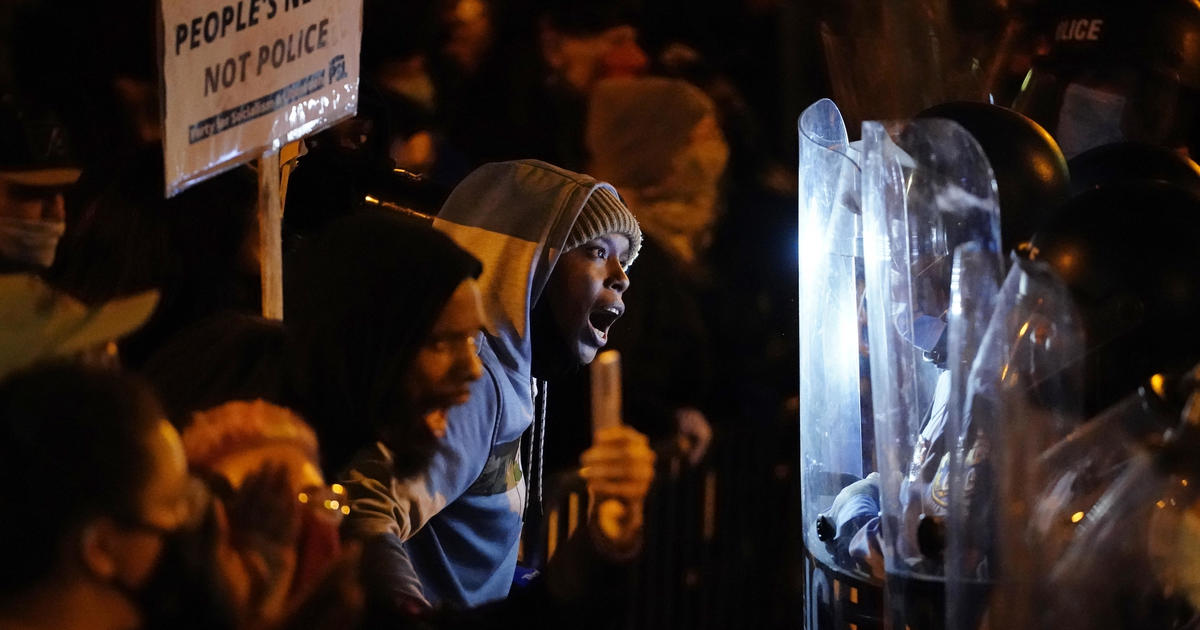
{"points": [[605, 213]]}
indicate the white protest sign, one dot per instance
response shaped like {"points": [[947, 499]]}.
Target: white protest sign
{"points": [[241, 77]]}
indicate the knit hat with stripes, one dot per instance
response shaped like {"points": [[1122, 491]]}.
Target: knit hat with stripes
{"points": [[605, 213]]}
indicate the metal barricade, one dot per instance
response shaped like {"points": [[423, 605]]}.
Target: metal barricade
{"points": [[721, 541]]}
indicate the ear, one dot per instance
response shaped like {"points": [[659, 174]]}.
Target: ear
{"points": [[99, 544]]}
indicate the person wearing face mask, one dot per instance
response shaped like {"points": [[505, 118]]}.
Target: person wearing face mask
{"points": [[104, 527], [1114, 71], [1031, 180], [35, 169], [198, 248]]}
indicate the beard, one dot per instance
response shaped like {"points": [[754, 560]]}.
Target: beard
{"points": [[412, 444]]}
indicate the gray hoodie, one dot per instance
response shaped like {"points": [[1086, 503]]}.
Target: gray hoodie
{"points": [[462, 518]]}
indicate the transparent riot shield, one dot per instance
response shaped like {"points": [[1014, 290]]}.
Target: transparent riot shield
{"points": [[1133, 560], [974, 286], [1077, 470], [1016, 392], [927, 191], [835, 442]]}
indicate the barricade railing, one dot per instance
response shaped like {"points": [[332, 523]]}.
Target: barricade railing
{"points": [[721, 547]]}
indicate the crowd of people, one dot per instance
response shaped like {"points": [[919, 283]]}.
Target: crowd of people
{"points": [[528, 183], [374, 458]]}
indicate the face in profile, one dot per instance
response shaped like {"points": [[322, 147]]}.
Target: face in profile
{"points": [[165, 503], [448, 361], [585, 293]]}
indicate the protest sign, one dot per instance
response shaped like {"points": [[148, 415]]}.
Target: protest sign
{"points": [[243, 77]]}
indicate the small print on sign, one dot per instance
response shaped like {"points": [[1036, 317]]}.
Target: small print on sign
{"points": [[247, 76]]}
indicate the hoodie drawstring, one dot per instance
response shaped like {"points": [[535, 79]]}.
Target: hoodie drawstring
{"points": [[536, 444], [540, 421]]}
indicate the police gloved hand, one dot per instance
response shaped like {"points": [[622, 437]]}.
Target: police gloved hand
{"points": [[618, 469], [855, 506]]}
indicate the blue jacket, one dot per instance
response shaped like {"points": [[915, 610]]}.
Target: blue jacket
{"points": [[461, 520]]}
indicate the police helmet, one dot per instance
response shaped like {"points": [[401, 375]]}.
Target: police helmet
{"points": [[1128, 254], [1126, 161], [1113, 70], [1031, 172]]}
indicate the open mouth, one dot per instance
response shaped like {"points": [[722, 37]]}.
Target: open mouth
{"points": [[601, 319]]}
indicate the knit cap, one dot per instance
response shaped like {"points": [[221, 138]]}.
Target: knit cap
{"points": [[605, 213]]}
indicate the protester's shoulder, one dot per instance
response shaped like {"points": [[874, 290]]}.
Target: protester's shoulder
{"points": [[374, 461], [485, 403], [486, 391]]}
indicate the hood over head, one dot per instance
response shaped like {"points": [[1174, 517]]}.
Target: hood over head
{"points": [[360, 300], [516, 217]]}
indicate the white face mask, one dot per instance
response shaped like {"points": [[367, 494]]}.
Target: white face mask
{"points": [[925, 309], [1088, 118], [30, 241]]}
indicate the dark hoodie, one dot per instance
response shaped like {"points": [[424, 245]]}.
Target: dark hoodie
{"points": [[462, 517], [361, 299]]}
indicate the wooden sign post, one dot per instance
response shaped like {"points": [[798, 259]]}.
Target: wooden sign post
{"points": [[240, 79], [270, 236]]}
